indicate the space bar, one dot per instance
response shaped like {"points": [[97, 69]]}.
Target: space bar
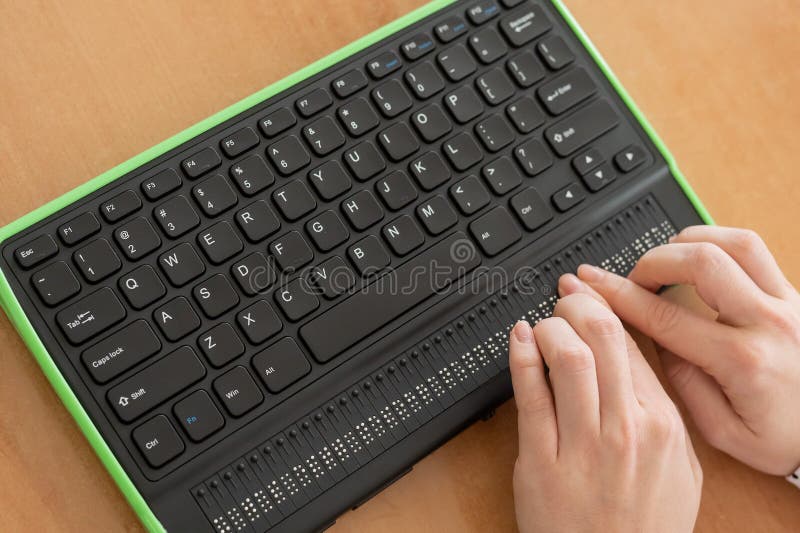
{"points": [[393, 294]]}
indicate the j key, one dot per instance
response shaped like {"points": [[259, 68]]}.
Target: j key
{"points": [[237, 391], [97, 260], [124, 349], [349, 83], [358, 117], [469, 195], [120, 206], [90, 315], [203, 161], [288, 155], [456, 62], [323, 135], [362, 210], [369, 256], [533, 157], [501, 175], [327, 231], [137, 238], [281, 364], [495, 231], [450, 29], [141, 287], [525, 69], [219, 242], [294, 200], [55, 283], [391, 98], [495, 86], [398, 141], [156, 383], [462, 151], [364, 161], [176, 318], [464, 104], [259, 322], [239, 142], [220, 344], [483, 11], [630, 158], [582, 127], [555, 52], [417, 46], [296, 299], [524, 24], [383, 65], [332, 277], [566, 91], [587, 160], [215, 295], [161, 183], [330, 180], [494, 132], [436, 215], [79, 228], [158, 441], [254, 274], [36, 251], [198, 416], [277, 122], [599, 177], [403, 235], [313, 102], [525, 114], [257, 221], [342, 331], [424, 80], [429, 171], [396, 190], [176, 216], [251, 175], [181, 264], [431, 123], [488, 45], [568, 197], [291, 251], [531, 209]]}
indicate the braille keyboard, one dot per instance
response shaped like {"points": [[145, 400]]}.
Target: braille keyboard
{"points": [[286, 311]]}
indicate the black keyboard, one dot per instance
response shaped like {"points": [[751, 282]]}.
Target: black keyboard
{"points": [[273, 320]]}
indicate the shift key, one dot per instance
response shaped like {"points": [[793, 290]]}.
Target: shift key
{"points": [[156, 383]]}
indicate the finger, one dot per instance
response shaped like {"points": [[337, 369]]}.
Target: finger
{"points": [[571, 284], [748, 250], [536, 416], [573, 378]]}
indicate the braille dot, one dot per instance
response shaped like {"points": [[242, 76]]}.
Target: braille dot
{"points": [[515, 289], [648, 201], [471, 317], [449, 332], [415, 354], [589, 240], [279, 441], [546, 268], [482, 309], [493, 302], [608, 227], [379, 377], [254, 458], [267, 449], [403, 361], [355, 393], [214, 484], [437, 339], [293, 433], [331, 408], [201, 492], [228, 476], [579, 247], [568, 253], [318, 417], [426, 346], [367, 385], [391, 369], [305, 425], [504, 296], [460, 324], [240, 467], [557, 260]]}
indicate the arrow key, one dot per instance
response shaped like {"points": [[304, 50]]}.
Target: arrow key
{"points": [[587, 161], [630, 158], [568, 197], [55, 283], [599, 177]]}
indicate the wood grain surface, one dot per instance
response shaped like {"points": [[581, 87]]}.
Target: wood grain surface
{"points": [[86, 84]]}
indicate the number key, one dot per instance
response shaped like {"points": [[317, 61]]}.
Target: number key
{"points": [[214, 195], [137, 238], [176, 216], [97, 260], [323, 135], [288, 155]]}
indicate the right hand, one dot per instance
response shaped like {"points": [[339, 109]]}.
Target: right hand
{"points": [[738, 375]]}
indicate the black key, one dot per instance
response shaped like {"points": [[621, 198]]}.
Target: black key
{"points": [[79, 228], [349, 83], [469, 195], [251, 175], [525, 114], [587, 160], [364, 161], [429, 171], [436, 215], [431, 123], [456, 63], [383, 65], [259, 322], [257, 221], [123, 350], [582, 127], [158, 382], [494, 132], [237, 391], [158, 441], [531, 209], [511, 3], [462, 151], [141, 287], [327, 231], [120, 206], [313, 102], [90, 315], [525, 69], [291, 251], [281, 364], [332, 277], [254, 274], [600, 177], [375, 308], [495, 86], [464, 104], [137, 238], [358, 117], [181, 264], [566, 91], [501, 175], [219, 242], [220, 344], [288, 155], [176, 216], [396, 190], [239, 142], [55, 283], [198, 416], [495, 231], [277, 122], [568, 197], [524, 24], [161, 183], [176, 318], [398, 142], [96, 260], [533, 157], [483, 11], [487, 45], [424, 80], [330, 180], [323, 135], [403, 235], [555, 52], [36, 251], [417, 46], [369, 256], [450, 28], [215, 295], [630, 158], [391, 98], [294, 200], [203, 161], [362, 210], [296, 299]]}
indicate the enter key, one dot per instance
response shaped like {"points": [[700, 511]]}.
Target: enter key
{"points": [[566, 91]]}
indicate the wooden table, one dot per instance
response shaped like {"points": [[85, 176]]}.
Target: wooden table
{"points": [[86, 84]]}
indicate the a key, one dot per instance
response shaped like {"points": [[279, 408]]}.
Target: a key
{"points": [[281, 364], [525, 69], [330, 180], [96, 260], [259, 322], [257, 221], [630, 158], [487, 45], [136, 238], [364, 161], [531, 209], [424, 80], [391, 98], [368, 256], [398, 141], [203, 161], [362, 210], [158, 441], [332, 277], [176, 216], [296, 299], [254, 274], [237, 391], [123, 350], [396, 190], [349, 83], [277, 122], [220, 345], [501, 175], [383, 64], [463, 104], [181, 264], [198, 416], [313, 102], [219, 242], [482, 11], [417, 46], [215, 295], [323, 135], [141, 287], [555, 52], [587, 160], [251, 175], [524, 24], [469, 195], [403, 235], [533, 157], [55, 283], [176, 318], [582, 127], [288, 155], [431, 123], [494, 132], [327, 231], [294, 200], [90, 315], [568, 197], [495, 231], [456, 63], [525, 114], [79, 228], [566, 91], [495, 86], [599, 177], [291, 251], [429, 170], [120, 206], [161, 183], [36, 251], [358, 117], [450, 28], [436, 215], [462, 151]]}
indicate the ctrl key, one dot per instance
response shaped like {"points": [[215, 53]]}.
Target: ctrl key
{"points": [[158, 441]]}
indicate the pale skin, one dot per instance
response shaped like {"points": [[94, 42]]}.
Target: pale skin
{"points": [[601, 445]]}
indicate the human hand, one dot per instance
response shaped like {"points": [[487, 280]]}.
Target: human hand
{"points": [[601, 445], [739, 375]]}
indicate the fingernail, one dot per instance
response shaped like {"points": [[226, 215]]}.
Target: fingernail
{"points": [[590, 273], [569, 284], [523, 331]]}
